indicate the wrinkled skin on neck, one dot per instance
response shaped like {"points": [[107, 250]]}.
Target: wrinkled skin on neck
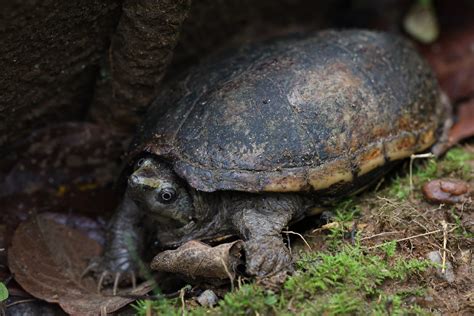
{"points": [[173, 212]]}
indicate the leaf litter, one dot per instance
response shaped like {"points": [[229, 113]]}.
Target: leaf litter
{"points": [[47, 259]]}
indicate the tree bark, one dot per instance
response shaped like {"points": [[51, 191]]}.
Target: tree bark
{"points": [[49, 57], [141, 49]]}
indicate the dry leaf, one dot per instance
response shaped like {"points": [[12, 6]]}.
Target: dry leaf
{"points": [[195, 259], [47, 260], [464, 127]]}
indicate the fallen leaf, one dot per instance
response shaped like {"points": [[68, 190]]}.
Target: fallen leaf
{"points": [[448, 191], [195, 259], [47, 260], [464, 127], [452, 59]]}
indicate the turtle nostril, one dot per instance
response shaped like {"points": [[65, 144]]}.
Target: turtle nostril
{"points": [[133, 181]]}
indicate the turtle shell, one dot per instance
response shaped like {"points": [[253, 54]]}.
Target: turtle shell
{"points": [[300, 113]]}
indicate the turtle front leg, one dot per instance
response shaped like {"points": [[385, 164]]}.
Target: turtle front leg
{"points": [[123, 246], [260, 221]]}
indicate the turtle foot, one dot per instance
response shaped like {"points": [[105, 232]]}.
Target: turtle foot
{"points": [[268, 258], [118, 273]]}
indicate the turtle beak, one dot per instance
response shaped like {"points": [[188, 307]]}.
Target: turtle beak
{"points": [[145, 177]]}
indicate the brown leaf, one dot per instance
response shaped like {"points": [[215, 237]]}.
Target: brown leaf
{"points": [[464, 127], [195, 259], [449, 191], [451, 56], [47, 260]]}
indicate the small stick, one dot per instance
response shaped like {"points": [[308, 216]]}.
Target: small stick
{"points": [[183, 303], [28, 300], [149, 297], [412, 158], [103, 310], [289, 242], [231, 277], [408, 238], [445, 241], [380, 234], [301, 236], [148, 308]]}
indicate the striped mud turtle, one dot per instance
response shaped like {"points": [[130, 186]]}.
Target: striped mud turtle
{"points": [[250, 141]]}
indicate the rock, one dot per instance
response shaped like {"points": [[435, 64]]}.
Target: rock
{"points": [[447, 191], [448, 275], [207, 298]]}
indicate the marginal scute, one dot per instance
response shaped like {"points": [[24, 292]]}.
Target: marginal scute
{"points": [[426, 139], [370, 158], [288, 183], [323, 177], [401, 146]]}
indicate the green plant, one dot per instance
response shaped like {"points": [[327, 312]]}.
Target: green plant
{"points": [[3, 292]]}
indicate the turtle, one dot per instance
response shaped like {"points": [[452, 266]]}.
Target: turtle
{"points": [[251, 140]]}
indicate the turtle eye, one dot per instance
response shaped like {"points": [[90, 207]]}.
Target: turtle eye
{"points": [[140, 162], [167, 195]]}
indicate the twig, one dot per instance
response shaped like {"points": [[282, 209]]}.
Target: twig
{"points": [[148, 308], [28, 300], [380, 234], [289, 243], [301, 236], [231, 277], [183, 303], [149, 297], [412, 158], [408, 238], [445, 242], [103, 310]]}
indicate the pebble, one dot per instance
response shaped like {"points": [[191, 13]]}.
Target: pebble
{"points": [[447, 191], [448, 275], [207, 298]]}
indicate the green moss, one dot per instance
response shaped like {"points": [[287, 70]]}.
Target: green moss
{"points": [[346, 282], [452, 164]]}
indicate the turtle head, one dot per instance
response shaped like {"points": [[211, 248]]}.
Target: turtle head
{"points": [[158, 191]]}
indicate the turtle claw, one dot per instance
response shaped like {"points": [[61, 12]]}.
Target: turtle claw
{"points": [[107, 273], [88, 269], [267, 257], [116, 282], [101, 280], [115, 278]]}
